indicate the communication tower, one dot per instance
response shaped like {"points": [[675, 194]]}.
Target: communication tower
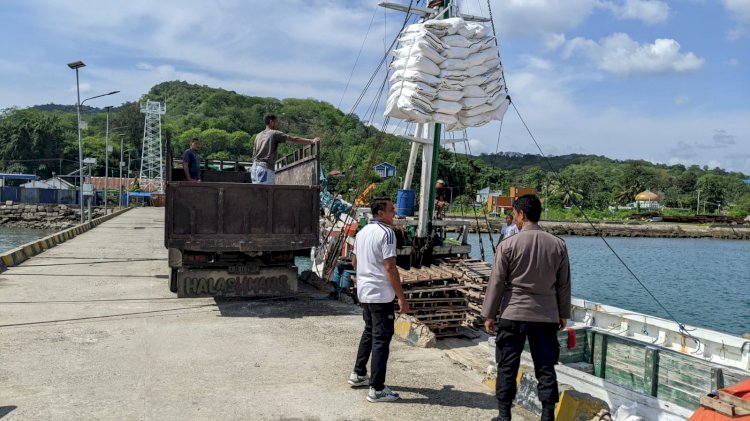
{"points": [[151, 177]]}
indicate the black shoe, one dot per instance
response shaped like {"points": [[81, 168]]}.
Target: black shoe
{"points": [[504, 412], [548, 412]]}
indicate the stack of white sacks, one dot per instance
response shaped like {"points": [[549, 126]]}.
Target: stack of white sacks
{"points": [[447, 71]]}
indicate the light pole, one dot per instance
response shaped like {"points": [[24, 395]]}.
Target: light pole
{"points": [[119, 197], [106, 159], [77, 65]]}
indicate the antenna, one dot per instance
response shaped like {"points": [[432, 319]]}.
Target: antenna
{"points": [[151, 177]]}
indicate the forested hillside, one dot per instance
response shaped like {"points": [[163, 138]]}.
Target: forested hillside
{"points": [[43, 139]]}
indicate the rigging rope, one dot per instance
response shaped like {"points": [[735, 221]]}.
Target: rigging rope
{"points": [[361, 47], [601, 236], [681, 326], [332, 255]]}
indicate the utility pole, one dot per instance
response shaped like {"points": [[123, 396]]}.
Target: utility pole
{"points": [[698, 205], [119, 196]]}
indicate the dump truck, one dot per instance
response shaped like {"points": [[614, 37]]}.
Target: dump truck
{"points": [[228, 237]]}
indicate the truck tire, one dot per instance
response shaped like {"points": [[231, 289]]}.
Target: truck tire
{"points": [[173, 280]]}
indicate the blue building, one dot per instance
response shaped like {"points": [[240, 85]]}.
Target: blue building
{"points": [[746, 181], [385, 170]]}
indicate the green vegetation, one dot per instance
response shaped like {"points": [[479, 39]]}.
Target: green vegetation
{"points": [[43, 139]]}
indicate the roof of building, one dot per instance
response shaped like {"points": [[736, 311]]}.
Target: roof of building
{"points": [[646, 196], [9, 176]]}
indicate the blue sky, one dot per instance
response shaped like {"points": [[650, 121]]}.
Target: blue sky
{"points": [[629, 79]]}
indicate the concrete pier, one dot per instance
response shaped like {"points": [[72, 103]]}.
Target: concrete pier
{"points": [[89, 330]]}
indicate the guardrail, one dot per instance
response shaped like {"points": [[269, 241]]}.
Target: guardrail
{"points": [[20, 254]]}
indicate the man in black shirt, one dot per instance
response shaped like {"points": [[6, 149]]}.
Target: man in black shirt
{"points": [[191, 161]]}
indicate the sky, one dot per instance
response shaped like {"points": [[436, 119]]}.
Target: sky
{"points": [[664, 81]]}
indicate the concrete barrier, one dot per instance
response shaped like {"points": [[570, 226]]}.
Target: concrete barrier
{"points": [[26, 251], [414, 332]]}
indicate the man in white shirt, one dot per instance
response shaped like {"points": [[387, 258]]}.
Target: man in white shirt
{"points": [[378, 283], [509, 228]]}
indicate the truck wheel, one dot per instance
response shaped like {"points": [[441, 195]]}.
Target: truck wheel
{"points": [[173, 280]]}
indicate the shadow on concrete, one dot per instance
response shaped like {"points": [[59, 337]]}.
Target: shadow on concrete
{"points": [[287, 307], [5, 410], [448, 396], [87, 275]]}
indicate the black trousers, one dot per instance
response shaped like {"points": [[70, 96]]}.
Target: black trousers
{"points": [[545, 351], [376, 339]]}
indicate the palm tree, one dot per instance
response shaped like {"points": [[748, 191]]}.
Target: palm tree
{"points": [[563, 187]]}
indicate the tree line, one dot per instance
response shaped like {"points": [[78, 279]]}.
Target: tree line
{"points": [[43, 140]]}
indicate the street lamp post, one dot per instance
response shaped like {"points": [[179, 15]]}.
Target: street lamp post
{"points": [[106, 159], [119, 197], [77, 65], [80, 145]]}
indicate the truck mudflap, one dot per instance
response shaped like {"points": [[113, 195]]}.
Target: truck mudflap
{"points": [[273, 281]]}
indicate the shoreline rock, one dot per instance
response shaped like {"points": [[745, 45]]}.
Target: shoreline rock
{"points": [[42, 216]]}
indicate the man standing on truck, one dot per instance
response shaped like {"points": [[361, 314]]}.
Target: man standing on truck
{"points": [[191, 161], [264, 152], [378, 283]]}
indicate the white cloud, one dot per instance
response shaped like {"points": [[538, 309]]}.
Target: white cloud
{"points": [[681, 100], [538, 63], [620, 55], [554, 41], [739, 10], [533, 17], [647, 11]]}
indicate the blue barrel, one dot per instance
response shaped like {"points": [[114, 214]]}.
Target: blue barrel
{"points": [[405, 202], [346, 279]]}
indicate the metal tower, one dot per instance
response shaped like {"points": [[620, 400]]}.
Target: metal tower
{"points": [[151, 177]]}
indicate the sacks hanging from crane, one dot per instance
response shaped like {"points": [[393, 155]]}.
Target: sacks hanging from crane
{"points": [[447, 71]]}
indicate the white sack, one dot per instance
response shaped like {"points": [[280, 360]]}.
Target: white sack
{"points": [[471, 112], [417, 63], [419, 48], [456, 52], [446, 107], [444, 27], [481, 57], [475, 121], [450, 94], [454, 64], [423, 36], [419, 87], [445, 118], [473, 91], [414, 76], [473, 102]]}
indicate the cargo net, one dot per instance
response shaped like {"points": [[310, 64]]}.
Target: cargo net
{"points": [[447, 71]]}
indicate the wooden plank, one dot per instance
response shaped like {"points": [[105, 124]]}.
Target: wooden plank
{"points": [[676, 395], [724, 408], [600, 355], [651, 371], [734, 400], [624, 378]]}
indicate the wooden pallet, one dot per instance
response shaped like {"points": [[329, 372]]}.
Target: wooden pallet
{"points": [[727, 404]]}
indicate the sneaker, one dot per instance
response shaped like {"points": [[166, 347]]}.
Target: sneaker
{"points": [[355, 380], [385, 395]]}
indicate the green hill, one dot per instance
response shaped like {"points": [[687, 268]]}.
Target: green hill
{"points": [[43, 139]]}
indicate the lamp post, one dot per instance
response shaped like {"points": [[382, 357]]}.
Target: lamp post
{"points": [[77, 65], [119, 197], [80, 142], [106, 159]]}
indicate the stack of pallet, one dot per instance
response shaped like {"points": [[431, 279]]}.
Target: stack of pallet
{"points": [[475, 275], [436, 298]]}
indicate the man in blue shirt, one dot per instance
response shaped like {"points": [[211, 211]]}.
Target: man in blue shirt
{"points": [[191, 161]]}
